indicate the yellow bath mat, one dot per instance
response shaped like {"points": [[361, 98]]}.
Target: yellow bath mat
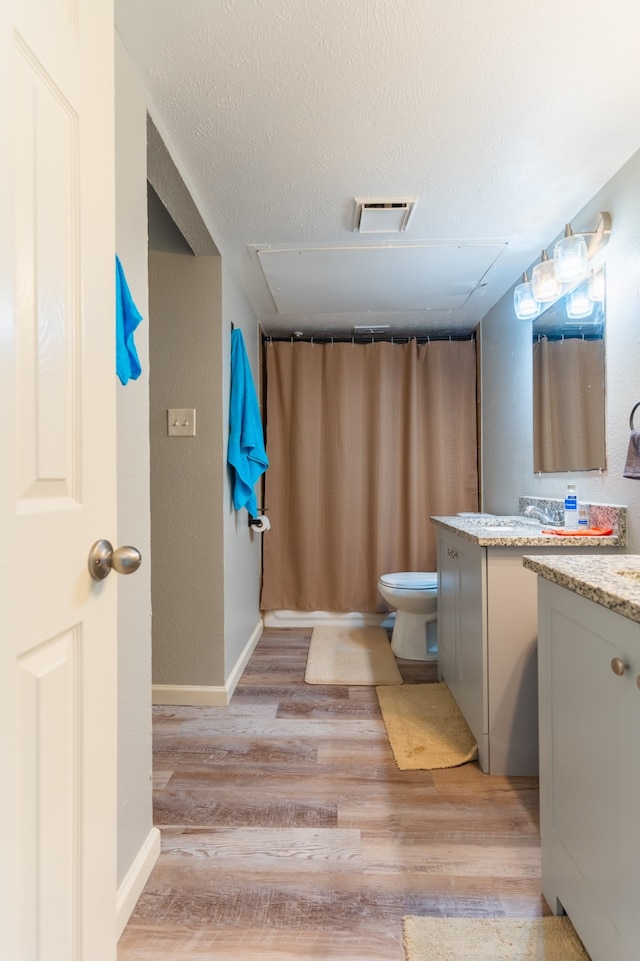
{"points": [[425, 727], [491, 939]]}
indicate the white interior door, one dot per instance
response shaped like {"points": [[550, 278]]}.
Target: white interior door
{"points": [[57, 480]]}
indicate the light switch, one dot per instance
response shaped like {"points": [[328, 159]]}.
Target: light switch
{"points": [[181, 422]]}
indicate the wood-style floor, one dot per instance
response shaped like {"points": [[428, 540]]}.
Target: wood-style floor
{"points": [[288, 831]]}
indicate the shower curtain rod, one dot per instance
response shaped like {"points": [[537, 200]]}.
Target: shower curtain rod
{"points": [[362, 339]]}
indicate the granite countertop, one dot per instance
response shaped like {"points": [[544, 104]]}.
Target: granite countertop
{"points": [[612, 580], [515, 531]]}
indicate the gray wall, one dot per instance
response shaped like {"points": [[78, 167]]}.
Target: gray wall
{"points": [[506, 373], [243, 548], [187, 473], [134, 593]]}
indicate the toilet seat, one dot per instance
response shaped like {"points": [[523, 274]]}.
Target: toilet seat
{"points": [[411, 581]]}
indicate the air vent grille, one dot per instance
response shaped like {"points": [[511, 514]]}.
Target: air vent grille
{"points": [[379, 215]]}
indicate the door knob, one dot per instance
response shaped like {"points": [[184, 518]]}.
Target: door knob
{"points": [[103, 559]]}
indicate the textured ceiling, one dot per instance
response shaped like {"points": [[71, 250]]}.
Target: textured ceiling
{"points": [[504, 118]]}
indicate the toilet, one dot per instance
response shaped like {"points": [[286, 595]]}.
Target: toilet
{"points": [[414, 595]]}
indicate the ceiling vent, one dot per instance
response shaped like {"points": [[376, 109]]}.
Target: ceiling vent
{"points": [[387, 215]]}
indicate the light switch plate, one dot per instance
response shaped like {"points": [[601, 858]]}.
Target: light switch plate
{"points": [[181, 422]]}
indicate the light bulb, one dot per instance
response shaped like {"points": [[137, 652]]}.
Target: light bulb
{"points": [[579, 304], [546, 286], [524, 303], [596, 285], [571, 258]]}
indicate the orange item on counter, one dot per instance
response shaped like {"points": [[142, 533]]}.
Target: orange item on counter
{"points": [[589, 532]]}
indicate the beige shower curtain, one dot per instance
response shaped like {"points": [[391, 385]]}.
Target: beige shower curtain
{"points": [[568, 404], [365, 442]]}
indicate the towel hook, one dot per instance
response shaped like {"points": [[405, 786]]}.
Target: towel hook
{"points": [[633, 410]]}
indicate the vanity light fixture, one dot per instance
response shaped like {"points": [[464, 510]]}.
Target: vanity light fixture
{"points": [[546, 286], [525, 304], [569, 267], [571, 258]]}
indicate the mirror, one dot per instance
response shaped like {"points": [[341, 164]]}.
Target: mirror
{"points": [[569, 381]]}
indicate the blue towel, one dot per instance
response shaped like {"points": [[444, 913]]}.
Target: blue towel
{"points": [[246, 454], [127, 319]]}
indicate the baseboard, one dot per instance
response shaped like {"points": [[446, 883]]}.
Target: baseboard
{"points": [[136, 878], [243, 660], [195, 695], [284, 618]]}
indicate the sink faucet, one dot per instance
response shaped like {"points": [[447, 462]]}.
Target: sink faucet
{"points": [[533, 511]]}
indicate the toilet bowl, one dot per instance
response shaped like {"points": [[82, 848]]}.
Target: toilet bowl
{"points": [[414, 594]]}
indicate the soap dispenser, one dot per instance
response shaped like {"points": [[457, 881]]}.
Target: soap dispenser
{"points": [[571, 509]]}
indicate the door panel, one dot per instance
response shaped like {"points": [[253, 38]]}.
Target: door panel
{"points": [[47, 275], [57, 482]]}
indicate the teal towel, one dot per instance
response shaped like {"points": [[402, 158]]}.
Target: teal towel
{"points": [[246, 454], [127, 319]]}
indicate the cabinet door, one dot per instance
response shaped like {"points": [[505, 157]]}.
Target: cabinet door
{"points": [[448, 589], [590, 770], [471, 688], [461, 631]]}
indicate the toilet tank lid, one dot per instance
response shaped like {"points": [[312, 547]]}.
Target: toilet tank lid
{"points": [[413, 580]]}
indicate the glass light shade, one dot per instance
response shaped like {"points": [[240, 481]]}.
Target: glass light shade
{"points": [[524, 303], [596, 285], [579, 304], [546, 286], [571, 259]]}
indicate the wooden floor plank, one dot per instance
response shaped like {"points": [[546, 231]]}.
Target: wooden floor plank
{"points": [[288, 831]]}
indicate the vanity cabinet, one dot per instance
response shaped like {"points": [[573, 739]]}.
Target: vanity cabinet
{"points": [[487, 635], [589, 695]]}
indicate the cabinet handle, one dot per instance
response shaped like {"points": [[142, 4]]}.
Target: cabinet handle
{"points": [[451, 552], [638, 680], [618, 666]]}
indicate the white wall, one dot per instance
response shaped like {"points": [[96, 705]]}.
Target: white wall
{"points": [[506, 373], [134, 592]]}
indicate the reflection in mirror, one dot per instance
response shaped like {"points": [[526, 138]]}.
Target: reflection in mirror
{"points": [[569, 381]]}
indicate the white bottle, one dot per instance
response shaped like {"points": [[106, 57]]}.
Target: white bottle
{"points": [[571, 509]]}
